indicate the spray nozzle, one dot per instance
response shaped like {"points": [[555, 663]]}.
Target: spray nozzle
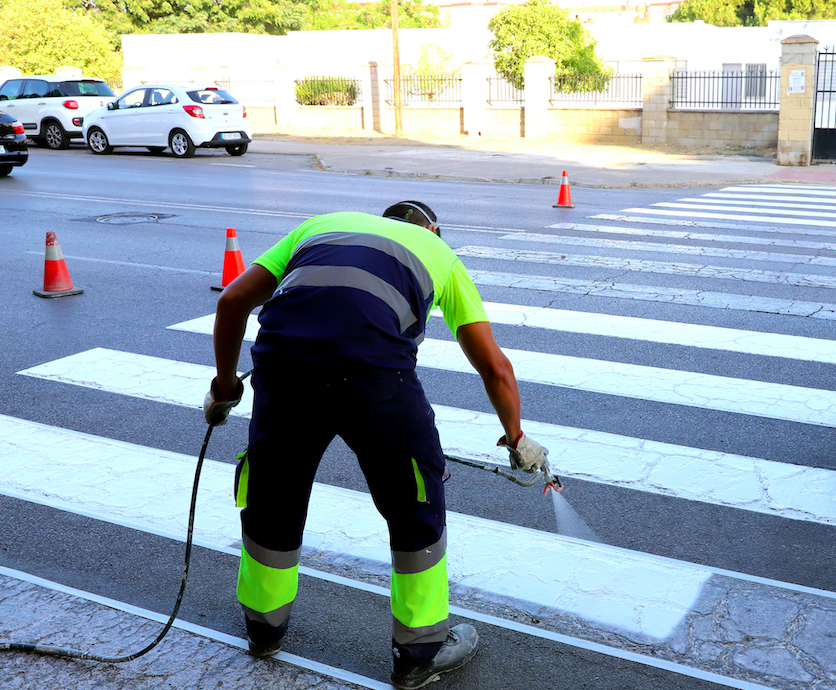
{"points": [[552, 480]]}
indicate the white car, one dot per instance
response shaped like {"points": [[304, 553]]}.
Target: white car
{"points": [[183, 118], [52, 108]]}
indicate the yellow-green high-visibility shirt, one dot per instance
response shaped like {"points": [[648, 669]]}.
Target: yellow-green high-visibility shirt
{"points": [[357, 290]]}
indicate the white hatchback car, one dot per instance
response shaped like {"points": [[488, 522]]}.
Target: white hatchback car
{"points": [[52, 108], [181, 117]]}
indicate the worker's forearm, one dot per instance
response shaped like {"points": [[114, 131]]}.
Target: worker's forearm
{"points": [[230, 324], [505, 397]]}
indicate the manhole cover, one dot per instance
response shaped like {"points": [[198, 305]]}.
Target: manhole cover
{"points": [[128, 218]]}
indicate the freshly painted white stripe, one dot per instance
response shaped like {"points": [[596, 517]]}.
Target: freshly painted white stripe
{"points": [[767, 199], [717, 478], [733, 216], [651, 330], [708, 206], [659, 248], [650, 293], [139, 486], [818, 232], [208, 633], [368, 682], [212, 525], [702, 236], [642, 265]]}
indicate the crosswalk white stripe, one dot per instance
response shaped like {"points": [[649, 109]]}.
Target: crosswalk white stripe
{"points": [[819, 190], [716, 206], [670, 332], [640, 464], [706, 391], [136, 486], [146, 377], [661, 248], [679, 222], [735, 216], [702, 236], [771, 199], [591, 323], [652, 293], [646, 266]]}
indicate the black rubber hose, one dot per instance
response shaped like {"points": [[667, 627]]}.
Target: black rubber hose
{"points": [[62, 653]]}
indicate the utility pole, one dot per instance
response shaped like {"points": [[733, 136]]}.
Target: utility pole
{"points": [[397, 65]]}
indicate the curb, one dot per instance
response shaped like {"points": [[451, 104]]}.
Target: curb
{"points": [[540, 181]]}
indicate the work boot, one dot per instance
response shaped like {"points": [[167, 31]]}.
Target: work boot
{"points": [[457, 650], [265, 640]]}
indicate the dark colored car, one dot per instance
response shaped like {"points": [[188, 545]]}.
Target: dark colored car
{"points": [[13, 148]]}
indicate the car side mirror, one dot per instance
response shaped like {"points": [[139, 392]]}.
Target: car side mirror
{"points": [[112, 105]]}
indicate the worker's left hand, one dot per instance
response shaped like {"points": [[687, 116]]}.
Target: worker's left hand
{"points": [[216, 412], [525, 454]]}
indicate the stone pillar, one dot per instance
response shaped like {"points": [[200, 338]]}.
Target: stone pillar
{"points": [[538, 69], [286, 105], [474, 97], [798, 100], [371, 98], [656, 97]]}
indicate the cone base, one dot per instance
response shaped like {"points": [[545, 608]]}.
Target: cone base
{"points": [[60, 293], [564, 206], [217, 288]]}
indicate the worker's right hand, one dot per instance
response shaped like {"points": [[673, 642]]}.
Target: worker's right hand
{"points": [[525, 454], [217, 411]]}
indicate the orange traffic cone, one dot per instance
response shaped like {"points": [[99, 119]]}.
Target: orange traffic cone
{"points": [[564, 199], [233, 261], [57, 281]]}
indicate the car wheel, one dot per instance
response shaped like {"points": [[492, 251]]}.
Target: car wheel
{"points": [[155, 149], [55, 136], [5, 170], [97, 141], [239, 150], [181, 144]]}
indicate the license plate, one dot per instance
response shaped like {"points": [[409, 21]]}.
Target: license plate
{"points": [[230, 135], [2, 149]]}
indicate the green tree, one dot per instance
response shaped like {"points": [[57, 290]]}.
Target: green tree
{"points": [[752, 12], [39, 37], [333, 15], [540, 28], [275, 17]]}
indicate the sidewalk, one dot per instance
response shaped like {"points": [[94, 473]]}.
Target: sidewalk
{"points": [[523, 161]]}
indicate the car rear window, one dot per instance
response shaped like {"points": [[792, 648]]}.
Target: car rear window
{"points": [[211, 96], [86, 88]]}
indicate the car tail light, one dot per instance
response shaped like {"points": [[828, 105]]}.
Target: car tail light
{"points": [[18, 128], [194, 111], [78, 121], [71, 105], [245, 110]]}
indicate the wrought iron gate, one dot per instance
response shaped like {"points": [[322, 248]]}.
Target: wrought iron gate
{"points": [[824, 131]]}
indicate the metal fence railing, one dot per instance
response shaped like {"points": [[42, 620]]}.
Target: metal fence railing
{"points": [[755, 88], [328, 90], [596, 90], [500, 90], [426, 89]]}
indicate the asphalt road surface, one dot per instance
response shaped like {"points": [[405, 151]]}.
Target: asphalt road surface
{"points": [[675, 350]]}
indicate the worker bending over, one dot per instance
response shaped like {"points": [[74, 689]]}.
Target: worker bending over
{"points": [[347, 297]]}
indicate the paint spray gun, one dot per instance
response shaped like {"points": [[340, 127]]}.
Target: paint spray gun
{"points": [[551, 481]]}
